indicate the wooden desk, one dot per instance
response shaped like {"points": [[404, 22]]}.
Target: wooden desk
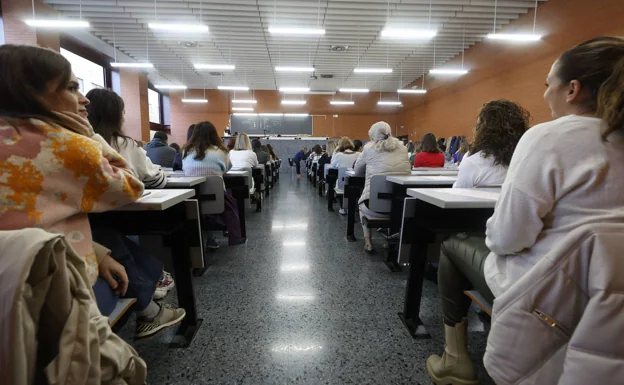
{"points": [[400, 184], [174, 181], [431, 212], [162, 213], [236, 181]]}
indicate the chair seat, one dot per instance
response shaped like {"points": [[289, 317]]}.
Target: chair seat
{"points": [[338, 191], [373, 215]]}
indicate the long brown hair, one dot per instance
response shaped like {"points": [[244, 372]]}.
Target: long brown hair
{"points": [[26, 73], [598, 64], [272, 151], [106, 111], [429, 144], [204, 136], [499, 127]]}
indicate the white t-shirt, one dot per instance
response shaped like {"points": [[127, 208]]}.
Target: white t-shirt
{"points": [[149, 173], [550, 191], [344, 159], [475, 170], [243, 159]]}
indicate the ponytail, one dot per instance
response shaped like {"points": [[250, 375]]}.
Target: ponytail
{"points": [[611, 101]]}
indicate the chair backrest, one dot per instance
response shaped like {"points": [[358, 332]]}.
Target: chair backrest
{"points": [[211, 195], [327, 167], [340, 183], [264, 180], [380, 194]]}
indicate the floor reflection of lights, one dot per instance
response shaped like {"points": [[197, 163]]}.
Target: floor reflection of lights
{"points": [[296, 297], [296, 348], [288, 267]]}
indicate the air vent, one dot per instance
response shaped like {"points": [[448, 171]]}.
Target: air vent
{"points": [[327, 76], [338, 48]]}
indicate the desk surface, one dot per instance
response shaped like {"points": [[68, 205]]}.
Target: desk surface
{"points": [[415, 180], [458, 198], [441, 171], [449, 168], [158, 200], [235, 173], [184, 181]]}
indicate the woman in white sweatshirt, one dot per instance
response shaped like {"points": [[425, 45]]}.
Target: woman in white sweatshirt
{"points": [[344, 156], [549, 190], [242, 155]]}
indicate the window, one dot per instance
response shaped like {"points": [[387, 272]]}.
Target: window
{"points": [[89, 74], [153, 98]]}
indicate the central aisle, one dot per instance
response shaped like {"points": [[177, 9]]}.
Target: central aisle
{"points": [[298, 304]]}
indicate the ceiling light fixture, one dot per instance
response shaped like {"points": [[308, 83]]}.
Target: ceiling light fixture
{"points": [[132, 65], [294, 89], [294, 102], [271, 114], [388, 103], [373, 70], [195, 101], [215, 66], [297, 115], [49, 23], [401, 91], [442, 71], [354, 90], [294, 69], [244, 114], [296, 31], [233, 88], [342, 102], [242, 109], [170, 86], [250, 101], [400, 33], [514, 36], [179, 27]]}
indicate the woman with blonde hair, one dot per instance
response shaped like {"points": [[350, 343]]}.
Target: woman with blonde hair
{"points": [[382, 155], [242, 155], [345, 155]]}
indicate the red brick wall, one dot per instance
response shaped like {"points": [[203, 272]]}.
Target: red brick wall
{"points": [[134, 92], [17, 32], [512, 71]]}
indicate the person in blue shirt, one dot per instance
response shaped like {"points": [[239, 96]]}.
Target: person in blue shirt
{"points": [[298, 158]]}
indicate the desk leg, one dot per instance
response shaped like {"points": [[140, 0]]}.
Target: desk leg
{"points": [[320, 188], [396, 216], [186, 292], [413, 292], [351, 208], [239, 194], [330, 193], [313, 177]]}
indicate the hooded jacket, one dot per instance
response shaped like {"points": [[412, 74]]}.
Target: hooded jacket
{"points": [[160, 153]]}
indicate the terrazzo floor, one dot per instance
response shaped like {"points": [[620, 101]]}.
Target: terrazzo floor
{"points": [[298, 304]]}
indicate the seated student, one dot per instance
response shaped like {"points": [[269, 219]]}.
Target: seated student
{"points": [[462, 151], [266, 149], [344, 156], [55, 170], [430, 154], [177, 160], [158, 150], [242, 156], [383, 154], [263, 156], [326, 158], [358, 146], [300, 156], [499, 127], [272, 152], [549, 191], [205, 154]]}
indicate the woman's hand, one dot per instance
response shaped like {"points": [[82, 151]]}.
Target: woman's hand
{"points": [[114, 274]]}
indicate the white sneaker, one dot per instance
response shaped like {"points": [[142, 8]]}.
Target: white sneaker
{"points": [[342, 211]]}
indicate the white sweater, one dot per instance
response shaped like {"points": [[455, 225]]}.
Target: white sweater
{"points": [[149, 173], [562, 175], [243, 159], [475, 170], [344, 159]]}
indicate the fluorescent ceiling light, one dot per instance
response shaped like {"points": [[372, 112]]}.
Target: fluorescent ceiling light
{"points": [[296, 31], [245, 114], [373, 70], [514, 36], [354, 90], [132, 65], [250, 101], [297, 115], [400, 33], [294, 89], [179, 27], [170, 86], [194, 100], [271, 114], [215, 66], [233, 88], [440, 71], [388, 103], [412, 91], [294, 102], [49, 23], [242, 109], [342, 102], [294, 69]]}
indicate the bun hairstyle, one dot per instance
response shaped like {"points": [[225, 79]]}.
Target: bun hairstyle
{"points": [[381, 137], [598, 65]]}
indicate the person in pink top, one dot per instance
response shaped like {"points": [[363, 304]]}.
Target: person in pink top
{"points": [[429, 155]]}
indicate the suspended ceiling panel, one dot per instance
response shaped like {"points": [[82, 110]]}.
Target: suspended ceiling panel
{"points": [[239, 35]]}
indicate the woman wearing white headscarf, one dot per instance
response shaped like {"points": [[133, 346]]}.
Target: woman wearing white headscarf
{"points": [[384, 154]]}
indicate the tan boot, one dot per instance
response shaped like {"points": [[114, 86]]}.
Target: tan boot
{"points": [[455, 366]]}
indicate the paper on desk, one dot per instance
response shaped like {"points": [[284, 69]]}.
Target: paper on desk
{"points": [[473, 193], [155, 195]]}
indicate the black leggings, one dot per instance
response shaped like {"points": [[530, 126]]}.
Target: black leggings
{"points": [[298, 166], [461, 268]]}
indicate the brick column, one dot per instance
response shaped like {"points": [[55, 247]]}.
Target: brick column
{"points": [[14, 12], [134, 93]]}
